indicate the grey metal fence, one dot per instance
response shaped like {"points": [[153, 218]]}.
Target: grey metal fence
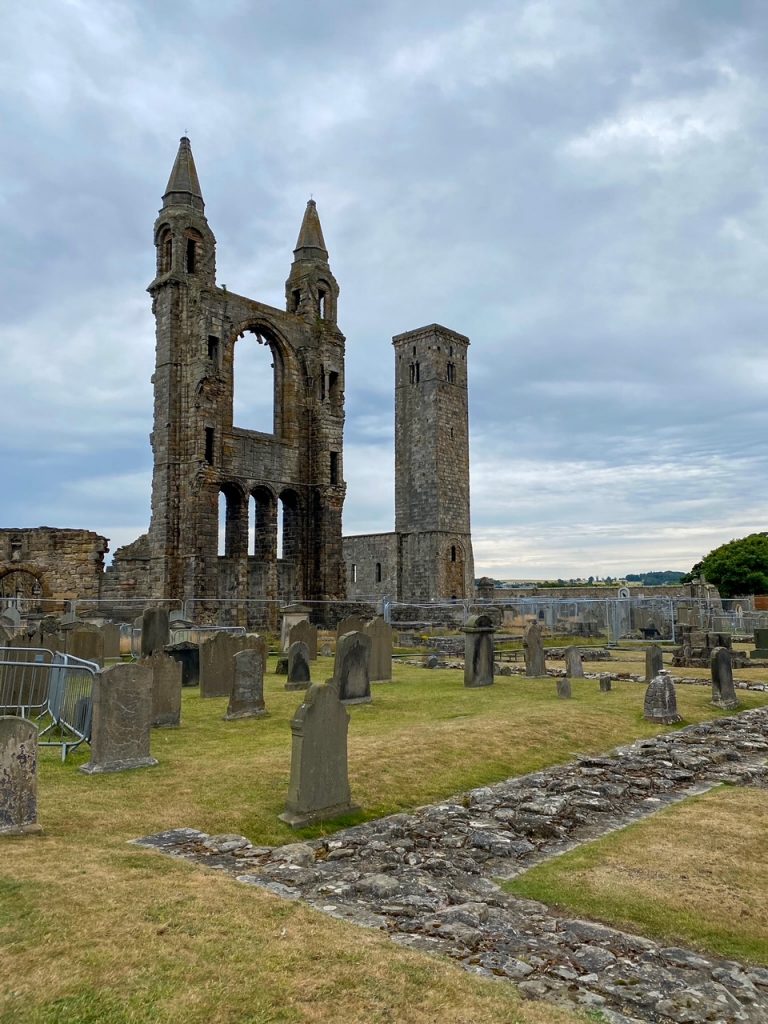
{"points": [[70, 703], [25, 674]]}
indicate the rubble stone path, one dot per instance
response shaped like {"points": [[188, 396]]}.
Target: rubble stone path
{"points": [[427, 877]]}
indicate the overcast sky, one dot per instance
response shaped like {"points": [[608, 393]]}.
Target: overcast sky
{"points": [[578, 185]]}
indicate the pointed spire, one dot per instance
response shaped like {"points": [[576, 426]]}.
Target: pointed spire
{"points": [[183, 188], [311, 244]]}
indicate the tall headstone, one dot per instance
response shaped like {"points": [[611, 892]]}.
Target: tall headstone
{"points": [[155, 631], [761, 645], [87, 644], [298, 666], [18, 777], [319, 785], [188, 656], [247, 697], [533, 650], [350, 624], [166, 690], [351, 673], [217, 667], [110, 633], [478, 651], [306, 633], [122, 719], [721, 668], [292, 615], [380, 633], [573, 666], [605, 682], [660, 703], [564, 688], [654, 662]]}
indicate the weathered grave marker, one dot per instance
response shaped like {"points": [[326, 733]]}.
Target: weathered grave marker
{"points": [[349, 624], [304, 632], [573, 666], [122, 719], [319, 785], [217, 668], [605, 683], [166, 690], [351, 673], [660, 703], [188, 656], [298, 666], [533, 650], [292, 614], [478, 651], [721, 669], [247, 697], [654, 662], [18, 777], [86, 643], [380, 634], [564, 688], [155, 631]]}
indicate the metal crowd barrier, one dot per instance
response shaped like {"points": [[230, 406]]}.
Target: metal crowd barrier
{"points": [[35, 682]]}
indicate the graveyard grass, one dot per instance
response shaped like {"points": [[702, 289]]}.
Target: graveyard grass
{"points": [[695, 874], [93, 929]]}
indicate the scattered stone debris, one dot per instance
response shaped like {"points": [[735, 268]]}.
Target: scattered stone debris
{"points": [[427, 877]]}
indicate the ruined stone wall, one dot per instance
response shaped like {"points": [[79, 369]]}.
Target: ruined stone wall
{"points": [[127, 582], [46, 567], [371, 563]]}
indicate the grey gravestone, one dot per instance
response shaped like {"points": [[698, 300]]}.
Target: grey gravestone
{"points": [[166, 690], [327, 650], [319, 785], [761, 645], [431, 661], [292, 615], [721, 668], [654, 662], [564, 688], [155, 631], [298, 666], [87, 644], [18, 777], [660, 703], [478, 651], [281, 666], [304, 632], [351, 624], [247, 697], [605, 683], [110, 633], [188, 656], [122, 719], [10, 618], [573, 667], [351, 674], [533, 649], [380, 633], [217, 667]]}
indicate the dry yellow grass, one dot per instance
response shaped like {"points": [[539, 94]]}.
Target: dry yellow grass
{"points": [[94, 930]]}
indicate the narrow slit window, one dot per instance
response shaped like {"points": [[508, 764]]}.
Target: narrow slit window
{"points": [[167, 254], [191, 255], [322, 383], [322, 302], [333, 387], [353, 573], [334, 467], [213, 348], [453, 552], [209, 439], [451, 373], [418, 375], [295, 299], [378, 572]]}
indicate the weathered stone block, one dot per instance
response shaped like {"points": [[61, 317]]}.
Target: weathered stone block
{"points": [[122, 719], [18, 777]]}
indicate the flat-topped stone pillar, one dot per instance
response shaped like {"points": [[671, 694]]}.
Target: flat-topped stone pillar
{"points": [[478, 651]]}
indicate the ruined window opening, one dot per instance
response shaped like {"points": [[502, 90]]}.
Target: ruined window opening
{"points": [[295, 299], [289, 528], [378, 572], [453, 552], [16, 549], [334, 467], [166, 256], [209, 439], [256, 384], [222, 525], [353, 573], [213, 348], [191, 255], [417, 373], [451, 373], [412, 373], [450, 351], [414, 351], [322, 383], [322, 302], [333, 387]]}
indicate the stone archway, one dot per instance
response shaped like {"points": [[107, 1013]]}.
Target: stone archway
{"points": [[22, 588]]}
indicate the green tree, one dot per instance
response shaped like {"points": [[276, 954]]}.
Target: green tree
{"points": [[738, 567]]}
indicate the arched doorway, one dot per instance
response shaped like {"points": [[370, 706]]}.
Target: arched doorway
{"points": [[22, 589]]}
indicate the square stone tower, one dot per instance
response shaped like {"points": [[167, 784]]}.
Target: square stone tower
{"points": [[294, 472], [432, 465]]}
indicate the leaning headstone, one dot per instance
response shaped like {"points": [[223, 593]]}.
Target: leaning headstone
{"points": [[533, 650], [478, 651], [87, 644], [564, 688], [247, 697], [351, 674], [188, 656], [306, 633], [380, 633], [350, 624], [166, 690], [217, 667], [122, 719], [573, 666], [660, 703], [155, 631], [605, 683], [18, 777], [319, 785], [298, 666], [110, 633], [654, 662], [723, 690]]}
